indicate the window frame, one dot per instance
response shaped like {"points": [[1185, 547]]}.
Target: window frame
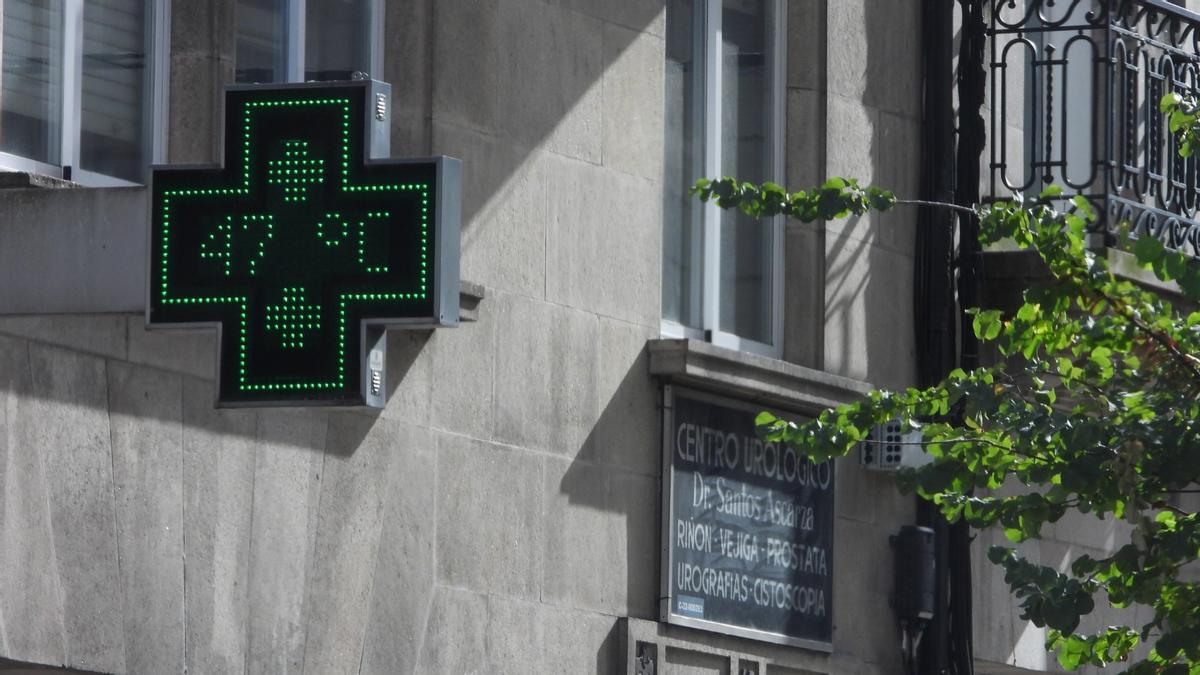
{"points": [[154, 102], [295, 36], [706, 46]]}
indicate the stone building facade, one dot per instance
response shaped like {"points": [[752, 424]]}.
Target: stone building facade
{"points": [[502, 513]]}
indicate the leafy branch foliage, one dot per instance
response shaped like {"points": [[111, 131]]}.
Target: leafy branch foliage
{"points": [[837, 198], [1093, 405], [1181, 112]]}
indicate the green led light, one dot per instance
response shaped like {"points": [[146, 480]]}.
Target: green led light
{"points": [[292, 318], [235, 260]]}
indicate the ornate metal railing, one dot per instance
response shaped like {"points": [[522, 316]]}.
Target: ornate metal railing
{"points": [[1075, 87]]}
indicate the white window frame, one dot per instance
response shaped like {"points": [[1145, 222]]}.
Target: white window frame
{"points": [[158, 23], [296, 35], [706, 45]]}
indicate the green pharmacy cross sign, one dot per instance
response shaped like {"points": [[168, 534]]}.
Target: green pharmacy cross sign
{"points": [[305, 244]]}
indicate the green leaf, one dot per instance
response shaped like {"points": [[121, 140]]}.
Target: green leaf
{"points": [[1051, 192], [1084, 207], [1148, 250], [1126, 559], [1169, 100], [1083, 566], [987, 324], [1070, 659], [1062, 618], [1189, 283], [1084, 603], [1169, 645], [1179, 119], [880, 200], [998, 554]]}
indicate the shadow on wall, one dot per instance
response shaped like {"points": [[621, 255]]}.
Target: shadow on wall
{"points": [[553, 108], [490, 82], [9, 667], [114, 438], [604, 556], [617, 471], [874, 127], [78, 362]]}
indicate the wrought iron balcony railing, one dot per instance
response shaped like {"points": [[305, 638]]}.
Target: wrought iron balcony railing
{"points": [[1075, 87]]}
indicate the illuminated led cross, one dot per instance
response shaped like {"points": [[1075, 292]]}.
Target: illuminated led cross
{"points": [[297, 242]]}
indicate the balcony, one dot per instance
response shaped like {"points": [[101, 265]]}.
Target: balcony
{"points": [[1074, 87]]}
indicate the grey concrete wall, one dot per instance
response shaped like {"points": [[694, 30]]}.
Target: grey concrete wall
{"points": [[502, 513], [498, 516], [202, 61], [869, 88], [73, 250], [854, 110], [145, 531]]}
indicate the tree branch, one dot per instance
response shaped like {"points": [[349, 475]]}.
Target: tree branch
{"points": [[962, 439], [938, 205], [1189, 361]]}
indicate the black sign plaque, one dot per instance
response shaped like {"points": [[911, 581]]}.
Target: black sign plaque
{"points": [[747, 527]]}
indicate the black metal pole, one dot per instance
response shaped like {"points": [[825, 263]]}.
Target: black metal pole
{"points": [[972, 82], [933, 285]]}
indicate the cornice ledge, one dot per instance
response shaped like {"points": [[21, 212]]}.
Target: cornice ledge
{"points": [[751, 377]]}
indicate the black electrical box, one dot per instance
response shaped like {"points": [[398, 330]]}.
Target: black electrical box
{"points": [[915, 585]]}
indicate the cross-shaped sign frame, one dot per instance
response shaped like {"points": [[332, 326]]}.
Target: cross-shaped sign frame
{"points": [[304, 244]]}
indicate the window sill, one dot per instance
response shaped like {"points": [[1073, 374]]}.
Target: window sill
{"points": [[751, 377], [28, 179]]}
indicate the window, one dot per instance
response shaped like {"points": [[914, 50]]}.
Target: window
{"points": [[722, 270], [78, 87], [306, 40]]}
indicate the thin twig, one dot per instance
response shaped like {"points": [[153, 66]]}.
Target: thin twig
{"points": [[964, 439], [937, 205]]}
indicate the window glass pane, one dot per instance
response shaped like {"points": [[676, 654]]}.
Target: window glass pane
{"points": [[746, 244], [31, 79], [682, 230], [114, 89], [260, 41], [336, 40]]}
